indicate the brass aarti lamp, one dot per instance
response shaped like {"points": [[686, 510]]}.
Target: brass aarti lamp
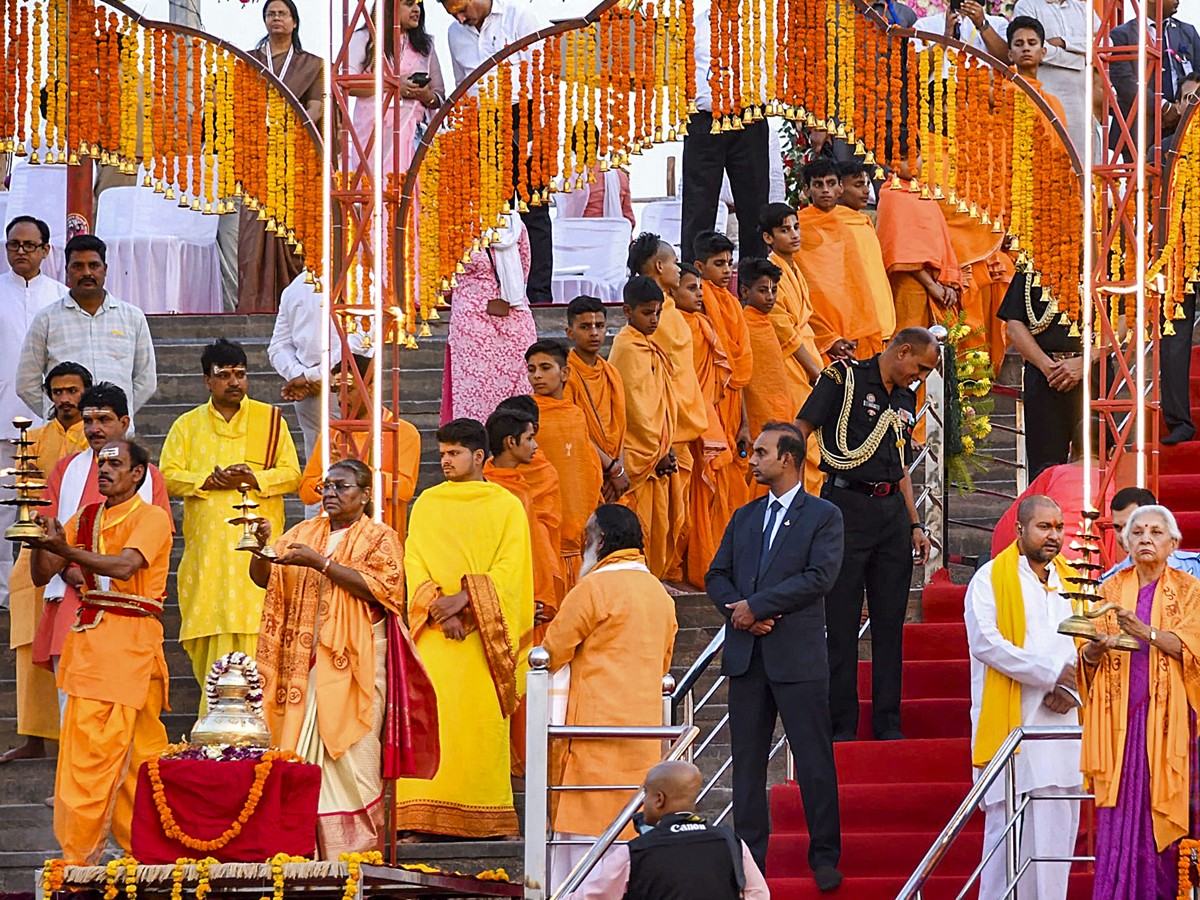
{"points": [[1086, 594], [247, 519], [27, 484]]}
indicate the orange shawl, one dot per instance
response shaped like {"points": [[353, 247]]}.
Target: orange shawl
{"points": [[548, 585], [974, 244], [674, 336], [791, 317], [563, 437], [649, 399], [767, 395], [597, 390], [846, 279], [306, 614], [913, 235], [1174, 687]]}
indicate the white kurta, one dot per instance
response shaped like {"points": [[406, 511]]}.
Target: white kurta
{"points": [[1036, 666], [1050, 767], [20, 301]]}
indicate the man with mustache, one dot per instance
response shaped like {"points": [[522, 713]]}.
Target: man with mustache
{"points": [[24, 292], [211, 453], [114, 673], [91, 327], [72, 485], [1023, 673], [37, 702]]}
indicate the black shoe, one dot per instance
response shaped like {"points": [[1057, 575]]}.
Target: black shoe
{"points": [[827, 878], [1179, 434], [841, 737], [892, 734]]}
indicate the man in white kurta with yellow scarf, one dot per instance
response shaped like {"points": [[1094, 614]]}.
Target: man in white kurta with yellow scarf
{"points": [[209, 452], [1023, 673]]}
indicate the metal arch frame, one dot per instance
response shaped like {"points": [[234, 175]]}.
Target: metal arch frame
{"points": [[408, 190]]}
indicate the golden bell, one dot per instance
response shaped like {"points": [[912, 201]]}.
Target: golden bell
{"points": [[869, 159], [170, 195], [74, 160], [194, 205], [33, 159], [937, 192], [425, 330], [208, 209], [962, 206], [147, 182]]}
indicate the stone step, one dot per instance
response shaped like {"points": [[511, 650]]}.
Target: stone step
{"points": [[205, 328], [19, 871], [28, 825]]}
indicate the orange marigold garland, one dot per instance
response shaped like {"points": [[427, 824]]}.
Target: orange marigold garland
{"points": [[262, 771]]}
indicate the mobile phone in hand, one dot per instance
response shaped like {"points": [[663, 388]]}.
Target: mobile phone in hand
{"points": [[420, 79]]}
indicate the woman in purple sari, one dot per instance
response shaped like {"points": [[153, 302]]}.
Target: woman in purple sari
{"points": [[1137, 726]]}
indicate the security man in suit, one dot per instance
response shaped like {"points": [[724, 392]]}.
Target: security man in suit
{"points": [[778, 558], [863, 413]]}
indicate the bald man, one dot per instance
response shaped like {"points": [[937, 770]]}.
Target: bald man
{"points": [[1025, 583], [681, 856]]}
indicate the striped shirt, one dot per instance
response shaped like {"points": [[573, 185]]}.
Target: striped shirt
{"points": [[114, 345]]}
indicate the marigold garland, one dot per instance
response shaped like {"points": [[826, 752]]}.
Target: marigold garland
{"points": [[171, 829]]}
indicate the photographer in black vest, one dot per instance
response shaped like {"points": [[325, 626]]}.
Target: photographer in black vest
{"points": [[681, 857]]}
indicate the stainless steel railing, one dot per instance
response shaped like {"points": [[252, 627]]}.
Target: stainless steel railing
{"points": [[1015, 804]]}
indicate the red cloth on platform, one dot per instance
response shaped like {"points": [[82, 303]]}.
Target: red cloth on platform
{"points": [[206, 796]]}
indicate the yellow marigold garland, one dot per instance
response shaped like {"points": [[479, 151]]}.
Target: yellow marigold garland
{"points": [[354, 863]]}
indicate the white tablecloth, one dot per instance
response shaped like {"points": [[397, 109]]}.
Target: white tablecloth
{"points": [[589, 258]]}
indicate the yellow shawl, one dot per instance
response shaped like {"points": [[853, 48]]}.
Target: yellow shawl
{"points": [[306, 616], [1000, 706], [1174, 686]]}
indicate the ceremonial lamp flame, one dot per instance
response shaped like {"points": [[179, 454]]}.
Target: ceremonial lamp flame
{"points": [[26, 484], [234, 690], [247, 519], [1080, 624]]}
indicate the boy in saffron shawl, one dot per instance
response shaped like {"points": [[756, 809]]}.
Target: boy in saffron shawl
{"points": [[841, 262], [595, 387], [323, 653], [650, 255], [651, 415], [469, 575], [767, 396], [714, 260], [563, 436]]}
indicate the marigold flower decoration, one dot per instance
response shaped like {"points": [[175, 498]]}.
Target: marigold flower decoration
{"points": [[1189, 868], [968, 402]]}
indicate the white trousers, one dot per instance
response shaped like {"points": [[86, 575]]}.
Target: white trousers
{"points": [[563, 859], [308, 412], [1050, 829]]}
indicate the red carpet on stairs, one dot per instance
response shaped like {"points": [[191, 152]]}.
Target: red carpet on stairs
{"points": [[897, 796]]}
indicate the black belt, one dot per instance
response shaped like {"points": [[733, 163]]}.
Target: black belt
{"points": [[870, 488], [1060, 357]]}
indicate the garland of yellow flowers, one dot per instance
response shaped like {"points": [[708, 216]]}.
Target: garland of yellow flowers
{"points": [[127, 865], [35, 85], [262, 771], [354, 863]]}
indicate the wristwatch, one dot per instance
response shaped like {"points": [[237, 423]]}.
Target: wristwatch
{"points": [[1153, 635], [985, 26], [921, 525]]}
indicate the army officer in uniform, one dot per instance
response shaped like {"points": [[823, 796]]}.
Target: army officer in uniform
{"points": [[863, 413]]}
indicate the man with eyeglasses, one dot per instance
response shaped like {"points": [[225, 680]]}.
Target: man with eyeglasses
{"points": [[89, 326], [24, 292], [211, 453]]}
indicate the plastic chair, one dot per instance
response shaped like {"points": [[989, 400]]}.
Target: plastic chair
{"points": [[589, 258]]}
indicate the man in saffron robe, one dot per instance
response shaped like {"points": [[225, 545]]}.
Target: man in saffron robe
{"points": [[766, 401], [986, 273], [401, 443], [617, 632], [792, 318], [37, 700], [1022, 674], [650, 255], [917, 251], [1026, 40], [470, 604], [323, 648], [563, 436], [650, 415], [211, 452], [111, 724], [72, 485], [595, 387], [841, 262], [716, 478], [714, 260]]}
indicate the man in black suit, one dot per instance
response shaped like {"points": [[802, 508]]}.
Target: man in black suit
{"points": [[779, 556]]}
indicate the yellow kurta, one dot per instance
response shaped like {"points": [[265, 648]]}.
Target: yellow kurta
{"points": [[617, 630], [37, 698], [459, 529], [220, 606]]}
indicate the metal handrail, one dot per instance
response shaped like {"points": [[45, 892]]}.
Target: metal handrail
{"points": [[958, 822]]}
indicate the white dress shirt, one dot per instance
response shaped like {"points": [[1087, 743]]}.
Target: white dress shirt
{"points": [[967, 33], [508, 22], [785, 503], [703, 28], [295, 347], [1036, 665], [20, 302], [113, 344]]}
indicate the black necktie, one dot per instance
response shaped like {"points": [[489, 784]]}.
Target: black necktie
{"points": [[768, 533]]}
